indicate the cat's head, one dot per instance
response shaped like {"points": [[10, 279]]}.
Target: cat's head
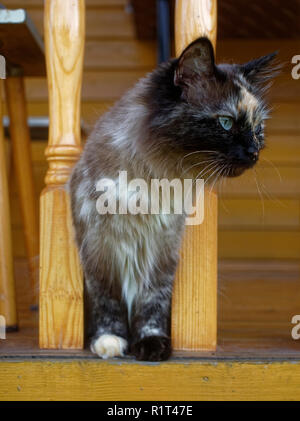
{"points": [[214, 112]]}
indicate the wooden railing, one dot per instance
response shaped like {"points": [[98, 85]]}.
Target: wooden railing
{"points": [[194, 314]]}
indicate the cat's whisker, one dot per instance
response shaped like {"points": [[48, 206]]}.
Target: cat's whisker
{"points": [[195, 152], [226, 171], [208, 168], [275, 168], [195, 165], [206, 181], [260, 193], [269, 195], [216, 178]]}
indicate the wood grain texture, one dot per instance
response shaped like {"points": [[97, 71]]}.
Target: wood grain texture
{"points": [[61, 283], [61, 286], [7, 281], [177, 380], [20, 138], [194, 306], [193, 19]]}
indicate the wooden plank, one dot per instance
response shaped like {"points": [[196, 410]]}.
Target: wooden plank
{"points": [[100, 23], [274, 183], [97, 86], [194, 300], [177, 380], [259, 244], [282, 149], [119, 55], [230, 49], [90, 111], [21, 44], [235, 214]]}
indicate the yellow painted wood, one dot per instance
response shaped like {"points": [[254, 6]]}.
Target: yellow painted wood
{"points": [[194, 304], [251, 214], [259, 244], [61, 284], [7, 281], [274, 183], [120, 54], [181, 380], [21, 148]]}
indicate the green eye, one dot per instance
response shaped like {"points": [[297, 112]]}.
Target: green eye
{"points": [[226, 122]]}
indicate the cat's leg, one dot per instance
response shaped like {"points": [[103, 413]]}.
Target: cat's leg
{"points": [[150, 324], [106, 320]]}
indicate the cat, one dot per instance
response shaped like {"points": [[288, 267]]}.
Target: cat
{"points": [[188, 114]]}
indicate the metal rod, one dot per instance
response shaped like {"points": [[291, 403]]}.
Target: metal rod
{"points": [[163, 30]]}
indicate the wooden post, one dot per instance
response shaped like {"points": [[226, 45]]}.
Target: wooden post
{"points": [[194, 307], [61, 283], [7, 282], [20, 138]]}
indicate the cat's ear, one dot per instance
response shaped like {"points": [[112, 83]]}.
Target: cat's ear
{"points": [[259, 71], [196, 60]]}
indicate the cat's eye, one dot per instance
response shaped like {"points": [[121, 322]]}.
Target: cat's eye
{"points": [[226, 122]]}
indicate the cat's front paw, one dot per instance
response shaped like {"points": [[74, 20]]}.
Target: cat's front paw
{"points": [[152, 348], [109, 346]]}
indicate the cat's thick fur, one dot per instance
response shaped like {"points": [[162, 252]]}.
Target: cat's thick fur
{"points": [[167, 126]]}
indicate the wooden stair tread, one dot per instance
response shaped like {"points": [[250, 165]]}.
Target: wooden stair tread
{"points": [[257, 300]]}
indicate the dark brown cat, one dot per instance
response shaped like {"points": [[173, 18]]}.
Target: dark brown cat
{"points": [[189, 118]]}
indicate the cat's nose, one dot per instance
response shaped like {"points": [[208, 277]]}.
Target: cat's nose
{"points": [[252, 153]]}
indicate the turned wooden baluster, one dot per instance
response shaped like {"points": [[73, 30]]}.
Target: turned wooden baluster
{"points": [[7, 282], [61, 284], [194, 307]]}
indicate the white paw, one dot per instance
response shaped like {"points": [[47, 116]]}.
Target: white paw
{"points": [[108, 346]]}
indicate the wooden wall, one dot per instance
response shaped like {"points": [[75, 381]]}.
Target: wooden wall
{"points": [[250, 226]]}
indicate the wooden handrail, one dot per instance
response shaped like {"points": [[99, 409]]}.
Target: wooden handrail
{"points": [[61, 284], [194, 306]]}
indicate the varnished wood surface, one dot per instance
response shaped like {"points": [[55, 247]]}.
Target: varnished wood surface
{"points": [[21, 44], [257, 300], [194, 304], [61, 283], [23, 168], [7, 281]]}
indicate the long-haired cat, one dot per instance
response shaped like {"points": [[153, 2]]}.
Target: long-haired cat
{"points": [[188, 118]]}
